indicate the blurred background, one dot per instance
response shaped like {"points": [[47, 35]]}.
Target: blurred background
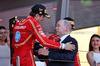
{"points": [[84, 12]]}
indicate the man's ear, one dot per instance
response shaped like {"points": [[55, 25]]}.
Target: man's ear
{"points": [[67, 28], [36, 15]]}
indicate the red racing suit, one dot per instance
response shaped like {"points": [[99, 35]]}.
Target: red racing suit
{"points": [[25, 34], [77, 60]]}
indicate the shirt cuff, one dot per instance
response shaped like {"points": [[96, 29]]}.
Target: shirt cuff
{"points": [[62, 46]]}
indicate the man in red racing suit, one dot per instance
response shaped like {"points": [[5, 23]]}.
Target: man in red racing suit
{"points": [[25, 34]]}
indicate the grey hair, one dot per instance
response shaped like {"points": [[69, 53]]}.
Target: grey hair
{"points": [[67, 23]]}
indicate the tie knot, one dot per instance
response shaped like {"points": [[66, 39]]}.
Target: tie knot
{"points": [[59, 40]]}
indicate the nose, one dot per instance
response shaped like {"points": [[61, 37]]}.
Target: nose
{"points": [[4, 34], [95, 42], [56, 28]]}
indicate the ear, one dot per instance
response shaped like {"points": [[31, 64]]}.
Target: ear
{"points": [[66, 28], [36, 15]]}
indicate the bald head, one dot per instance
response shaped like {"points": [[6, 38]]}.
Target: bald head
{"points": [[63, 27], [67, 23]]}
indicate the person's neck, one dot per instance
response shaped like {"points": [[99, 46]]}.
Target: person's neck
{"points": [[2, 42], [96, 50], [62, 35], [36, 20]]}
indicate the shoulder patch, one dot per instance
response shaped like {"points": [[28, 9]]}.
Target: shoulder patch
{"points": [[22, 21]]}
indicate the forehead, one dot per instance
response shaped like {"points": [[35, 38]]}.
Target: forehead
{"points": [[2, 30], [61, 22], [95, 38]]}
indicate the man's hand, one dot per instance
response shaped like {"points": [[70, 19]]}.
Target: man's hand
{"points": [[69, 46], [43, 51]]}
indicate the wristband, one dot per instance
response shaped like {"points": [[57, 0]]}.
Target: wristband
{"points": [[62, 46]]}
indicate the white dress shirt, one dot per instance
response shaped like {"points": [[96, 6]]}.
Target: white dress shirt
{"points": [[63, 37]]}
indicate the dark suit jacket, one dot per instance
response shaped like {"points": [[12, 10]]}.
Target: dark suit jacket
{"points": [[67, 57], [61, 57]]}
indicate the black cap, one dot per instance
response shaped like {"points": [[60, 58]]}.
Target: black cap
{"points": [[40, 9], [71, 21]]}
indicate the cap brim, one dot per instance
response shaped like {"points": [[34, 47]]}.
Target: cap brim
{"points": [[47, 16]]}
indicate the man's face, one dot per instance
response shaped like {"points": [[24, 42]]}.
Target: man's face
{"points": [[40, 18], [60, 28]]}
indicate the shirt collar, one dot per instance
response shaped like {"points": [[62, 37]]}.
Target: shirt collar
{"points": [[63, 37], [29, 16]]}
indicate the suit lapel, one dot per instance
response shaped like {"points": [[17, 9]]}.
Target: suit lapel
{"points": [[67, 39]]}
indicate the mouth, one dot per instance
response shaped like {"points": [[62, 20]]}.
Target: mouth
{"points": [[3, 37], [96, 45]]}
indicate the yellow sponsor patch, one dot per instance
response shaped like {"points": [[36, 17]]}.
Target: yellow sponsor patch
{"points": [[23, 21], [40, 9], [48, 16], [72, 22]]}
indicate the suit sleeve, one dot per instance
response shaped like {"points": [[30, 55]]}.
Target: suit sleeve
{"points": [[63, 54]]}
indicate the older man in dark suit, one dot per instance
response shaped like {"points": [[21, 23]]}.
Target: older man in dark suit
{"points": [[61, 57]]}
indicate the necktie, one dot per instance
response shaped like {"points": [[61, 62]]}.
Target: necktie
{"points": [[59, 40]]}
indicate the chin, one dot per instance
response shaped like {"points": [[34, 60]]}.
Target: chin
{"points": [[96, 47]]}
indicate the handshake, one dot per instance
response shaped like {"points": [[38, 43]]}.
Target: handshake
{"points": [[37, 46]]}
